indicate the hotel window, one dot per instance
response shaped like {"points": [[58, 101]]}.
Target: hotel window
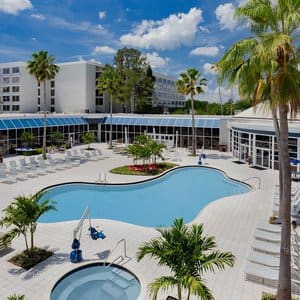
{"points": [[99, 101], [39, 84], [15, 79], [52, 109], [6, 98], [15, 69], [5, 71], [52, 84], [52, 101], [39, 108], [52, 93], [6, 80], [5, 89], [39, 101], [39, 92], [15, 89], [15, 98], [15, 107], [5, 107]]}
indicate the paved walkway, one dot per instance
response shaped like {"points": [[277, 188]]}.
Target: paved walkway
{"points": [[231, 220]]}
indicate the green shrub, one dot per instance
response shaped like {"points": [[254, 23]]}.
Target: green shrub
{"points": [[267, 296], [16, 297]]}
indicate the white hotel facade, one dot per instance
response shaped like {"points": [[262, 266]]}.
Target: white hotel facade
{"points": [[73, 90]]}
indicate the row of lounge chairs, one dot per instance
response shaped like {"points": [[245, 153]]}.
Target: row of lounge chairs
{"points": [[36, 166], [263, 259]]}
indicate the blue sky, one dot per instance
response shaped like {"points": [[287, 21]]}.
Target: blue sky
{"points": [[173, 34]]}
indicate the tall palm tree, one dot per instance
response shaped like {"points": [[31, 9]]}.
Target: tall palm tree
{"points": [[110, 82], [191, 83], [266, 68], [22, 215], [42, 67], [188, 254]]}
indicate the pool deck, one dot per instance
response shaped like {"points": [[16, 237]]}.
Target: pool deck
{"points": [[231, 220]]}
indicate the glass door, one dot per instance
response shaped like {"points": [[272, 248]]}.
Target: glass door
{"points": [[263, 158]]}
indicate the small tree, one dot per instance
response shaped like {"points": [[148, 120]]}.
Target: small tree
{"points": [[188, 254], [27, 138], [22, 215], [88, 138], [57, 138], [16, 297]]}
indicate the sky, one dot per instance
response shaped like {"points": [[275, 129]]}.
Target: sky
{"points": [[173, 34]]}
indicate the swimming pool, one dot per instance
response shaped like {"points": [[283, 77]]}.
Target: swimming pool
{"points": [[105, 282], [182, 192]]}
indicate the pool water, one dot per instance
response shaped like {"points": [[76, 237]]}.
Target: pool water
{"points": [[181, 193], [97, 282]]}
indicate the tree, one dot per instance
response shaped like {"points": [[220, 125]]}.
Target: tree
{"points": [[266, 68], [27, 138], [57, 138], [137, 78], [188, 254], [191, 83], [42, 67], [88, 138], [110, 82], [22, 215]]}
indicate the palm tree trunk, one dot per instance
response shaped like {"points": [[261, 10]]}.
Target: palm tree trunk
{"points": [[26, 241], [193, 126], [179, 292], [45, 122], [110, 129], [284, 282], [189, 294], [31, 237]]}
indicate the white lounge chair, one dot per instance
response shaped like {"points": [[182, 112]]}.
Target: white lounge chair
{"points": [[73, 163], [6, 179], [264, 259], [14, 172], [46, 167], [57, 164], [270, 237], [269, 227], [37, 170], [89, 157], [265, 247]]}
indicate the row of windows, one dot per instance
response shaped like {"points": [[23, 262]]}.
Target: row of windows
{"points": [[14, 70], [14, 89], [8, 80], [52, 101], [8, 98], [166, 81], [6, 107], [52, 109]]}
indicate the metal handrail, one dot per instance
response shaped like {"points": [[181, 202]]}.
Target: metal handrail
{"points": [[121, 256], [254, 177]]}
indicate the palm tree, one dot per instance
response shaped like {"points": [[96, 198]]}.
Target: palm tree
{"points": [[88, 138], [188, 254], [22, 214], [42, 67], [191, 83], [109, 81], [265, 67]]}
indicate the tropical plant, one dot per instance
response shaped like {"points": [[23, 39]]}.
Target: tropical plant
{"points": [[266, 68], [188, 254], [191, 83], [21, 217], [42, 67], [57, 138], [27, 138], [88, 138], [110, 82], [16, 297]]}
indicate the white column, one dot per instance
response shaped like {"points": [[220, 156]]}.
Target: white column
{"points": [[254, 149], [273, 149]]}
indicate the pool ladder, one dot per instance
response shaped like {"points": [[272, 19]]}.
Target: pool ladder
{"points": [[254, 177], [120, 258]]}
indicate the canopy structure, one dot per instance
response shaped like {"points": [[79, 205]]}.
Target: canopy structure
{"points": [[39, 122]]}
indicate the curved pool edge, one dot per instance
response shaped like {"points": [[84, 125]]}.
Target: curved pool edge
{"points": [[88, 264], [145, 180]]}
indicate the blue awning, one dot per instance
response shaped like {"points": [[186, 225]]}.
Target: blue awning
{"points": [[166, 122], [39, 122]]}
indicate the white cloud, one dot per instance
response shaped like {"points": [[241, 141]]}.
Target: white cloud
{"points": [[38, 17], [225, 16], [102, 15], [203, 29], [156, 61], [104, 50], [14, 6], [168, 33], [208, 69], [205, 51], [100, 27]]}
